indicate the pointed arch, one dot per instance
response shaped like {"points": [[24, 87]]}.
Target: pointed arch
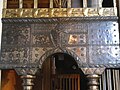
{"points": [[60, 50]]}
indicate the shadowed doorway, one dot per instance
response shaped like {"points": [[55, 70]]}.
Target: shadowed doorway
{"points": [[60, 72]]}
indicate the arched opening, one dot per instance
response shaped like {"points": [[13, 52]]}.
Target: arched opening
{"points": [[60, 72]]}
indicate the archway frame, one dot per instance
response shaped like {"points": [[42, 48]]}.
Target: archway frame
{"points": [[60, 50]]}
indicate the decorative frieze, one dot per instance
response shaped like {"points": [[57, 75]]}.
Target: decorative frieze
{"points": [[58, 12]]}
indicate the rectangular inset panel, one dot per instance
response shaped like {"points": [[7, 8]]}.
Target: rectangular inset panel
{"points": [[76, 27], [81, 52], [14, 55], [37, 52], [46, 27], [105, 55], [102, 33], [16, 34], [42, 39], [79, 39]]}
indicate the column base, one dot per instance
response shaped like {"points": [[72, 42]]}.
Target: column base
{"points": [[27, 82], [93, 82]]}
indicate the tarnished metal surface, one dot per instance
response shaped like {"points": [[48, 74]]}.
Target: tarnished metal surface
{"points": [[92, 41]]}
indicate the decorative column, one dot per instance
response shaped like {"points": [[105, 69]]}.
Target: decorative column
{"points": [[84, 3], [27, 82], [69, 4], [93, 75], [115, 7], [35, 3], [27, 75], [5, 4], [93, 83], [20, 3], [114, 2], [51, 3], [100, 3], [60, 3]]}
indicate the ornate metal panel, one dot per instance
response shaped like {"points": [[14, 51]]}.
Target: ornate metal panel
{"points": [[103, 33], [15, 55], [15, 45], [92, 41], [16, 34]]}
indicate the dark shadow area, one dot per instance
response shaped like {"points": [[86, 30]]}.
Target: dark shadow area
{"points": [[43, 3], [107, 3], [12, 4]]}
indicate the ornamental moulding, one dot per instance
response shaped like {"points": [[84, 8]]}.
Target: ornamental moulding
{"points": [[58, 12]]}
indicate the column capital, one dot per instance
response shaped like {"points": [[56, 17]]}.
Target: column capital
{"points": [[26, 71], [92, 71]]}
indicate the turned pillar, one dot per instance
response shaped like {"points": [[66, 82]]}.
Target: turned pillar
{"points": [[27, 75], [93, 82], [93, 75], [27, 82]]}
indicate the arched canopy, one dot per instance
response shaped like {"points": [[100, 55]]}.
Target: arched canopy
{"points": [[59, 50]]}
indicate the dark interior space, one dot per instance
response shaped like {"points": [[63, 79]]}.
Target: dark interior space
{"points": [[107, 3], [64, 65]]}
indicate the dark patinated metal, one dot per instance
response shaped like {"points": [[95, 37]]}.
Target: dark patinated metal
{"points": [[92, 41]]}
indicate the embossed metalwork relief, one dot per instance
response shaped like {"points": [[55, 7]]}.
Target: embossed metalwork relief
{"points": [[16, 34], [15, 44], [92, 43], [58, 12], [60, 8]]}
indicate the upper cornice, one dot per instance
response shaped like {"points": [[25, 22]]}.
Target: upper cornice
{"points": [[62, 8], [58, 12]]}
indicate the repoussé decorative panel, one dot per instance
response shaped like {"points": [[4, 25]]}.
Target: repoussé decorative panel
{"points": [[92, 41]]}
